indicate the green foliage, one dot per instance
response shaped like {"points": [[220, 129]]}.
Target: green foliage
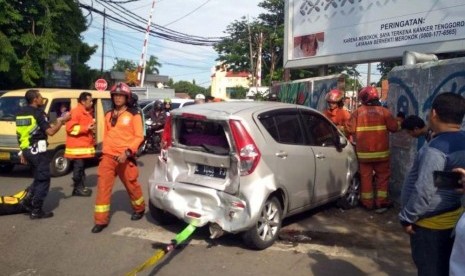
{"points": [[152, 65], [122, 65], [189, 88], [238, 92], [234, 50], [31, 32]]}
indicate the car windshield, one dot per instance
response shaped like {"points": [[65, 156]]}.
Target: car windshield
{"points": [[9, 106]]}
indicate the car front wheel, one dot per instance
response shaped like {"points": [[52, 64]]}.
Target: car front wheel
{"points": [[59, 164], [266, 230], [352, 197]]}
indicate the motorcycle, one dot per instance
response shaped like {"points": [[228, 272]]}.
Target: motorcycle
{"points": [[152, 139]]}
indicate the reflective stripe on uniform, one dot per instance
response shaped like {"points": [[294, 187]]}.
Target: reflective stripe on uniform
{"points": [[102, 208], [376, 154], [138, 201], [75, 130], [366, 195], [79, 151], [381, 194], [26, 126], [371, 128]]}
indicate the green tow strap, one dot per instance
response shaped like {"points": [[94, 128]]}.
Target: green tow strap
{"points": [[160, 253]]}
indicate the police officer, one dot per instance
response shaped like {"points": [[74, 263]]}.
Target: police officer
{"points": [[32, 128]]}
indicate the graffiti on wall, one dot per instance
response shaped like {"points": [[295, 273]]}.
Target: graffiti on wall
{"points": [[309, 93], [417, 99]]}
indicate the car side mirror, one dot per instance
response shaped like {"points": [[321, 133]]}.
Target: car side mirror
{"points": [[342, 142]]}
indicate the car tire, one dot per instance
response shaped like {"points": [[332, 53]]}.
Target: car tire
{"points": [[266, 229], [59, 165], [6, 168], [161, 216], [351, 198]]}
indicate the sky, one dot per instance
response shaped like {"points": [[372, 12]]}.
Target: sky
{"points": [[205, 18]]}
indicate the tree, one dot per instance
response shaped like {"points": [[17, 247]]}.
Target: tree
{"points": [[234, 50], [189, 88], [32, 33], [152, 65], [122, 65], [238, 92]]}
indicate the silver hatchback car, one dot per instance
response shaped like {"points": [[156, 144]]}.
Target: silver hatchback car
{"points": [[242, 167]]}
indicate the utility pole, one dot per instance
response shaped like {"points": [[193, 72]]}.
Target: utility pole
{"points": [[259, 62], [103, 44], [251, 54], [369, 74], [141, 71]]}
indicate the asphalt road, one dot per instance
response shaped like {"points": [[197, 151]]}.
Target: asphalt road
{"points": [[326, 241]]}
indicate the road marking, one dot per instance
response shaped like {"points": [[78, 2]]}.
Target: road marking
{"points": [[160, 235]]}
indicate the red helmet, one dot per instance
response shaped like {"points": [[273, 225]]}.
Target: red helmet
{"points": [[368, 94], [122, 89], [334, 96]]}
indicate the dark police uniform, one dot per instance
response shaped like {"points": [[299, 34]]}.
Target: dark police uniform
{"points": [[31, 126]]}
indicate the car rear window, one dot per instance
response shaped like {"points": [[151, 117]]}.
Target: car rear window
{"points": [[209, 135]]}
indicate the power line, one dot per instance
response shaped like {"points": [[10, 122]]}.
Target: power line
{"points": [[187, 14], [135, 22]]}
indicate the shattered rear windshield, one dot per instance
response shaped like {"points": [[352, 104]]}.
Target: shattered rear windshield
{"points": [[208, 135]]}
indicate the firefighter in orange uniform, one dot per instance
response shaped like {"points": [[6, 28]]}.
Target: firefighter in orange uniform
{"points": [[80, 141], [335, 111], [123, 134], [370, 125]]}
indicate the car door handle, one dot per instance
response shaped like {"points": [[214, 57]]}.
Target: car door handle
{"points": [[281, 154], [320, 156]]}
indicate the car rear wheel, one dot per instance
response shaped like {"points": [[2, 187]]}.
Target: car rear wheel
{"points": [[59, 164], [266, 230], [352, 197], [161, 216]]}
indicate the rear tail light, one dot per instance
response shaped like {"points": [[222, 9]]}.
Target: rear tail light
{"points": [[163, 188], [248, 152], [193, 214]]}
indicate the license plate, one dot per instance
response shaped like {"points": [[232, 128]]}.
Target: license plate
{"points": [[210, 171], [4, 156]]}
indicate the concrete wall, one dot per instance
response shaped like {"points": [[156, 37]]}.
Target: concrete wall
{"points": [[412, 89], [309, 92]]}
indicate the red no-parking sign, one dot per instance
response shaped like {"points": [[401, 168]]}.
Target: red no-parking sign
{"points": [[101, 84]]}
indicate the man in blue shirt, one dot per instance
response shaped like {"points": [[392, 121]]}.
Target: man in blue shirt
{"points": [[429, 213]]}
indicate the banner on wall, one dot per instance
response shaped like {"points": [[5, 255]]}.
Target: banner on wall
{"points": [[337, 31]]}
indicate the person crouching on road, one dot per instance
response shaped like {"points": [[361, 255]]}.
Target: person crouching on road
{"points": [[122, 136], [80, 141], [32, 129], [335, 111]]}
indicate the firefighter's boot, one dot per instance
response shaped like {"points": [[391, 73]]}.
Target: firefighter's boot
{"points": [[80, 189], [37, 211]]}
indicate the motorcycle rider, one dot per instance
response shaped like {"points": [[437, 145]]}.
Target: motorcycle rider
{"points": [[167, 105], [158, 115]]}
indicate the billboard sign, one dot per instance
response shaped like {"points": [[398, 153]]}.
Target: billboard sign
{"points": [[322, 32], [58, 72]]}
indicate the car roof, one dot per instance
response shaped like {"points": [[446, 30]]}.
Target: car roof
{"points": [[232, 108]]}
